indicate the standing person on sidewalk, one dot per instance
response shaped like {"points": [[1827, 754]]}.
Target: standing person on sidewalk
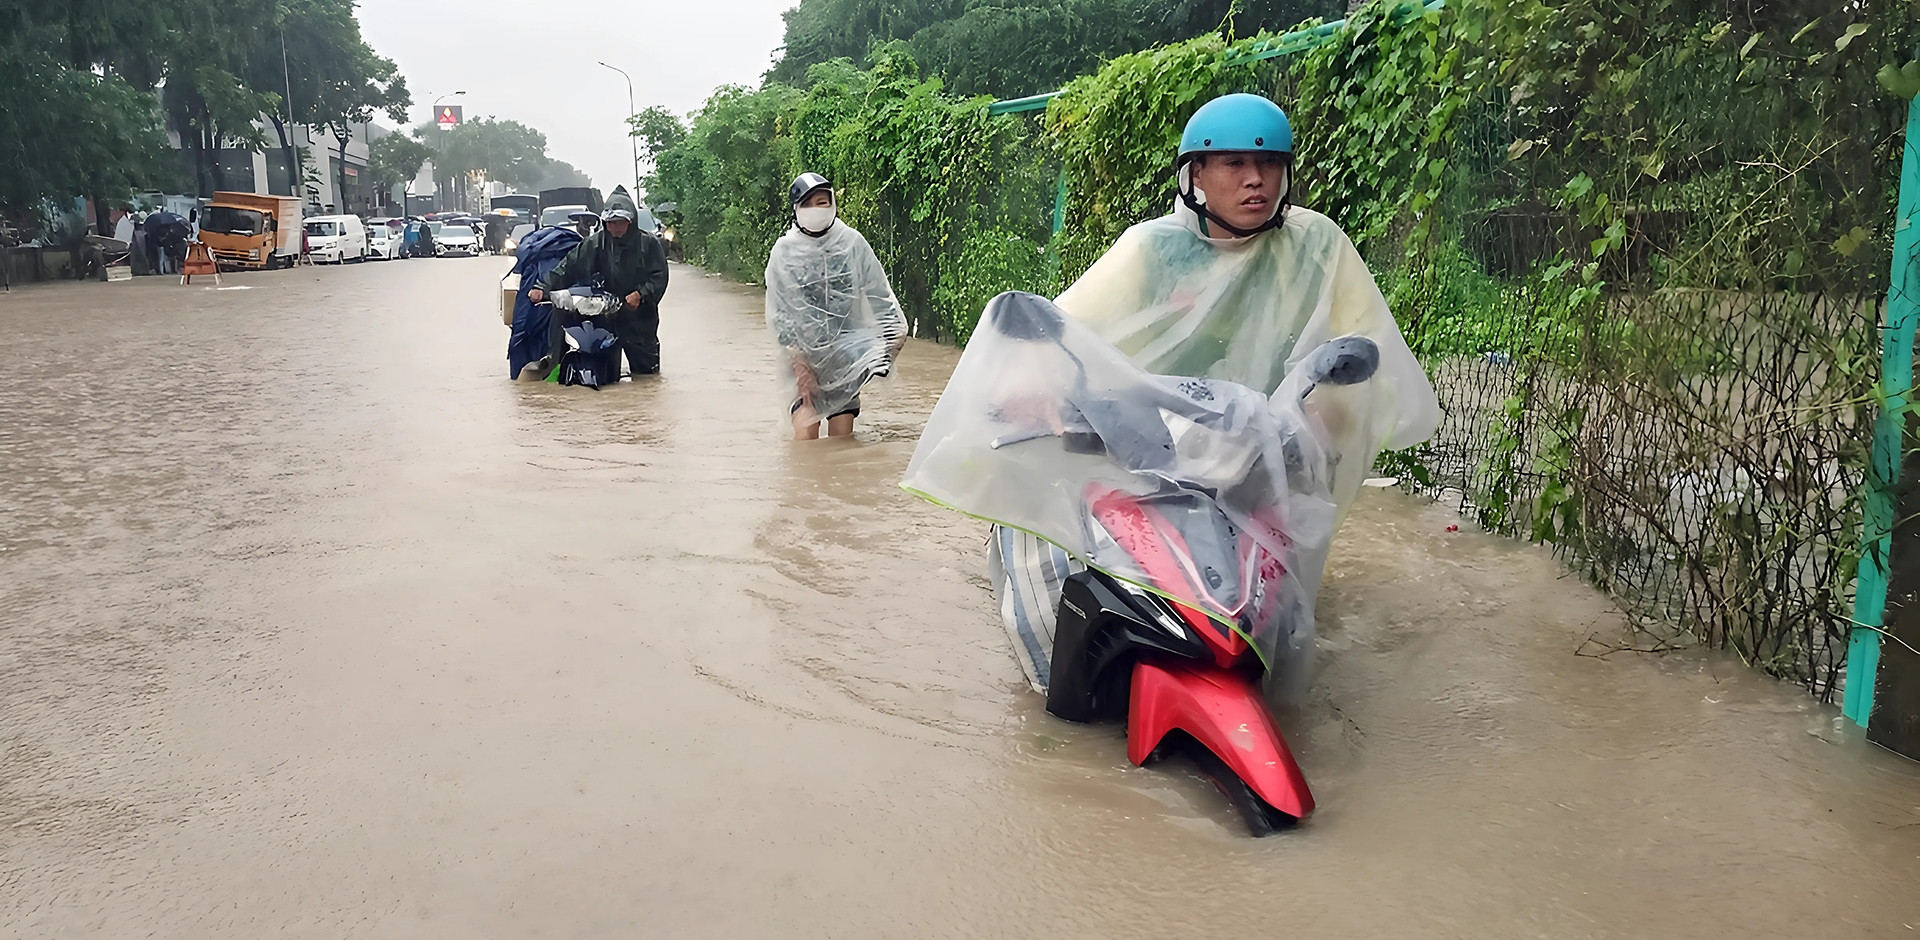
{"points": [[627, 262], [832, 313]]}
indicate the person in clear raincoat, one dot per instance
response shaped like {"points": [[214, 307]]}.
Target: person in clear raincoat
{"points": [[1240, 286], [831, 311]]}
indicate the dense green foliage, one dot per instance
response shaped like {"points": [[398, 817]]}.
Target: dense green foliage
{"points": [[497, 149], [90, 70], [110, 140], [395, 158], [1010, 48], [315, 54], [1116, 132], [1639, 243], [930, 179], [728, 176]]}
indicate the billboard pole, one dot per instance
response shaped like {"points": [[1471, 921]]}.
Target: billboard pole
{"points": [[446, 120]]}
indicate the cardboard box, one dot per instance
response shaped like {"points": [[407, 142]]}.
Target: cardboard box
{"points": [[509, 290]]}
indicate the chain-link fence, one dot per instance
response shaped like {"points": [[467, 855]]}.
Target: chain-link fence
{"points": [[1642, 250], [1649, 303], [1674, 388]]}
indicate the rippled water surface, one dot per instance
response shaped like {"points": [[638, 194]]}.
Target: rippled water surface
{"points": [[312, 624]]}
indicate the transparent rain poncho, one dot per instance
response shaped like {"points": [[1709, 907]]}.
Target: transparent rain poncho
{"points": [[833, 315], [1248, 311], [1047, 428], [1173, 307]]}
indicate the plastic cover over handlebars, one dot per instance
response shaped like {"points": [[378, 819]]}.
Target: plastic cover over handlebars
{"points": [[1200, 448]]}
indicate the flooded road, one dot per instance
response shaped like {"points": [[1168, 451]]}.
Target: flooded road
{"points": [[314, 625]]}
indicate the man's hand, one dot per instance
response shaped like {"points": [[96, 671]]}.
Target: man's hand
{"points": [[1032, 409], [633, 301], [536, 295], [803, 379]]}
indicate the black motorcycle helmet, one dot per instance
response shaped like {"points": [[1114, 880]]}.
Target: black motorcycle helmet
{"points": [[804, 185]]}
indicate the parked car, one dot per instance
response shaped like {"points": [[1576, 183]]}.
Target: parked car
{"points": [[454, 238], [384, 238], [336, 239]]}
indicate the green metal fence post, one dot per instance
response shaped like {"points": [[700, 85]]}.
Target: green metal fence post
{"points": [[1896, 381], [1059, 223]]}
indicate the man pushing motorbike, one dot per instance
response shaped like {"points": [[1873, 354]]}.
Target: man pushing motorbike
{"points": [[1235, 284], [1166, 451], [627, 262]]}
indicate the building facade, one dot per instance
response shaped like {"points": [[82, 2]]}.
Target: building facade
{"points": [[328, 179]]}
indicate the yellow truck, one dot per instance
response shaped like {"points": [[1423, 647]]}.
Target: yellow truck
{"points": [[251, 231]]}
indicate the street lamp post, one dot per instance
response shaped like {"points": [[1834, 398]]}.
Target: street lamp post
{"points": [[634, 141], [443, 144]]}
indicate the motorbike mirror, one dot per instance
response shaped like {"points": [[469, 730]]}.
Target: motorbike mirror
{"points": [[1023, 316], [1345, 360]]}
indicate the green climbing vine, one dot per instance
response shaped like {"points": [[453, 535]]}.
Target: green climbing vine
{"points": [[1116, 132], [949, 196], [1638, 244]]}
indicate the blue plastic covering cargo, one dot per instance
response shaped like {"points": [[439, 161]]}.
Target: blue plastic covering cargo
{"points": [[538, 254]]}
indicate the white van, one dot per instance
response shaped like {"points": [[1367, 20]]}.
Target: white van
{"points": [[337, 239]]}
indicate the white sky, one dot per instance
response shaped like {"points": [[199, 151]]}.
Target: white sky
{"points": [[533, 61]]}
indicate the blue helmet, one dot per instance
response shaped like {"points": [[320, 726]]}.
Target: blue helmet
{"points": [[1236, 123]]}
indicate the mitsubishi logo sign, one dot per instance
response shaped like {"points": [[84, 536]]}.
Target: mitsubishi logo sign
{"points": [[448, 116]]}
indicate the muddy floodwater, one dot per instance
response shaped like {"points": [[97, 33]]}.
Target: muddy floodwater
{"points": [[314, 625]]}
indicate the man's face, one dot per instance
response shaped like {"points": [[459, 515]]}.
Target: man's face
{"points": [[618, 227], [1243, 188]]}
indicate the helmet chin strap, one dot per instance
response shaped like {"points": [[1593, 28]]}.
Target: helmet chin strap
{"points": [[1188, 195]]}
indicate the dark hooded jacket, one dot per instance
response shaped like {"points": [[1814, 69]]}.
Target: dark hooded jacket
{"points": [[617, 265]]}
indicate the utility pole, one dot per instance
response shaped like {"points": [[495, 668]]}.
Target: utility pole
{"points": [[634, 141], [291, 151]]}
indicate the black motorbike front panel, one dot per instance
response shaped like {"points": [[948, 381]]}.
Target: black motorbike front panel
{"points": [[1099, 630]]}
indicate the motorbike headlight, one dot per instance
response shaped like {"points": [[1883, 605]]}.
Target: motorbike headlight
{"points": [[512, 244], [1167, 618], [670, 235]]}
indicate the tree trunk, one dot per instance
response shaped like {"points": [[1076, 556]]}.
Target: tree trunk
{"points": [[219, 166], [190, 135], [292, 155]]}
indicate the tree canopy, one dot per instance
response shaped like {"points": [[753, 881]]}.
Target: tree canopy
{"points": [[395, 158], [107, 76], [501, 149], [1010, 48]]}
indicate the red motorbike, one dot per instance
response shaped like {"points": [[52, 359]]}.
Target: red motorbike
{"points": [[1182, 675]]}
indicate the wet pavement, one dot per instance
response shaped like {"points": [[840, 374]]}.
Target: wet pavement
{"points": [[314, 625]]}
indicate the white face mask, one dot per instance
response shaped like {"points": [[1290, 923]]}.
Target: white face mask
{"points": [[815, 218]]}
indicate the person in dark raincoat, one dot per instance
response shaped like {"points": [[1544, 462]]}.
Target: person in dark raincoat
{"points": [[622, 260]]}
